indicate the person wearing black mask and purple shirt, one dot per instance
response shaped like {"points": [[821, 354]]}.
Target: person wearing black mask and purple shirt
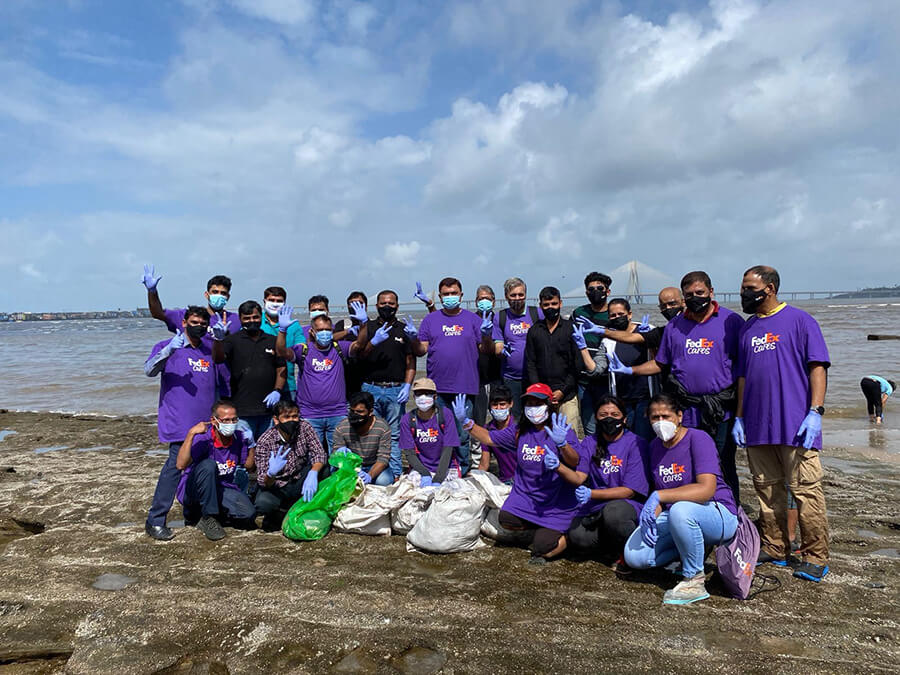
{"points": [[671, 304], [596, 311], [510, 331]]}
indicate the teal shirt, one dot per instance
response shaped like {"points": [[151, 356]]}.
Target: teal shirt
{"points": [[886, 388], [294, 337]]}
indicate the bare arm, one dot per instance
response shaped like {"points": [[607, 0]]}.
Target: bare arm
{"points": [[218, 351], [647, 368], [280, 378], [700, 492], [739, 412], [627, 337], [607, 494], [818, 382], [183, 460], [359, 344], [155, 305], [250, 464], [281, 348], [418, 348], [576, 478]]}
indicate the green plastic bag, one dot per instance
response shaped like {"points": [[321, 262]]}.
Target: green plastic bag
{"points": [[308, 521]]}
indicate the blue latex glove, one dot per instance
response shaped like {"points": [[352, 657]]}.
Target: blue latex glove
{"points": [[740, 438], [644, 326], [487, 324], [343, 450], [353, 330], [459, 409], [615, 366], [176, 342], [508, 349], [403, 394], [425, 481], [220, 330], [810, 429], [310, 485], [285, 320], [420, 294], [381, 334], [558, 429], [150, 279], [277, 461], [551, 460], [272, 399], [583, 494], [363, 476], [589, 326], [409, 328], [578, 337], [358, 312], [648, 519]]}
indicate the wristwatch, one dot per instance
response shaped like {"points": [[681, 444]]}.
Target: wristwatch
{"points": [[820, 409]]}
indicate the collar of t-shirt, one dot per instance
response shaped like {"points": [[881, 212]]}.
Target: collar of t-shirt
{"points": [[715, 312], [780, 307], [217, 442]]}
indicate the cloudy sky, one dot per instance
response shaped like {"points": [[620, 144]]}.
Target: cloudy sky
{"points": [[326, 146]]}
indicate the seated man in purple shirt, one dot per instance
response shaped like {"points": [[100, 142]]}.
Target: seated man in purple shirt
{"points": [[208, 460], [428, 436], [187, 391]]}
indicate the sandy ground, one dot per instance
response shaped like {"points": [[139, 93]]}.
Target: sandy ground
{"points": [[257, 602]]}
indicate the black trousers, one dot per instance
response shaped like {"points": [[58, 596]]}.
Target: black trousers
{"points": [[272, 503], [872, 391], [606, 531], [544, 540]]}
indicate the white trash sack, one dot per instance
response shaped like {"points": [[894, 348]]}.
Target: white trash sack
{"points": [[370, 513], [494, 490], [452, 524], [403, 519]]}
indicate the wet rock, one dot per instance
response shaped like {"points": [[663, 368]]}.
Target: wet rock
{"points": [[112, 582], [356, 662], [191, 666], [420, 660], [875, 584]]}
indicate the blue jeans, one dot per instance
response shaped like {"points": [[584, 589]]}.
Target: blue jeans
{"points": [[324, 428], [387, 408], [515, 386], [682, 532], [727, 451], [385, 478], [464, 454], [169, 477], [255, 425], [204, 493], [638, 422], [586, 402]]}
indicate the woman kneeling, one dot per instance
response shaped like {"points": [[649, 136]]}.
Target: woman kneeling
{"points": [[691, 508]]}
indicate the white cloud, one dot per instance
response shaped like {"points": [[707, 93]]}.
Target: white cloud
{"points": [[290, 12], [403, 254]]}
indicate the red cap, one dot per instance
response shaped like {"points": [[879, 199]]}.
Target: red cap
{"points": [[539, 390]]}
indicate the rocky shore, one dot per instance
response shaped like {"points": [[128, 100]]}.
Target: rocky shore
{"points": [[83, 590]]}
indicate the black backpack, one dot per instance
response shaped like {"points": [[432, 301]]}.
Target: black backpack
{"points": [[438, 409], [302, 362], [532, 312]]}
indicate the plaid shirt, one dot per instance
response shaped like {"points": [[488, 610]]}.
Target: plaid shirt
{"points": [[305, 449]]}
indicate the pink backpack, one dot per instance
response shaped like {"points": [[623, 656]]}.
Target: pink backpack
{"points": [[736, 560]]}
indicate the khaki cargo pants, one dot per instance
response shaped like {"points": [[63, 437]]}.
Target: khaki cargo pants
{"points": [[572, 411], [774, 465]]}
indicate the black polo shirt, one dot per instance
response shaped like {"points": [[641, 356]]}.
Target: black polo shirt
{"points": [[252, 364], [385, 362], [552, 358]]}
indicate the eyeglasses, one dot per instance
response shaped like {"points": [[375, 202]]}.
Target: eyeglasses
{"points": [[228, 420]]}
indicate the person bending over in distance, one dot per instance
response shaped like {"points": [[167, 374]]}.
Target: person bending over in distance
{"points": [[321, 387], [369, 437], [289, 460], [501, 407], [613, 467], [510, 331], [596, 287], [877, 390], [187, 391], [690, 508], [208, 458], [551, 357], [542, 499], [671, 304], [274, 298], [428, 436]]}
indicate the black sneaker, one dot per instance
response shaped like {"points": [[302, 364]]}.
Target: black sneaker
{"points": [[811, 572], [159, 532], [764, 558], [210, 527], [537, 560]]}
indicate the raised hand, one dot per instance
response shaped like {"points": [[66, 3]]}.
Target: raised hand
{"points": [[508, 349], [615, 366], [381, 334], [644, 326], [420, 294], [178, 341], [578, 337], [589, 326], [285, 320], [273, 398], [551, 459], [409, 327], [358, 312], [277, 461], [150, 279], [487, 324], [558, 429], [459, 408], [220, 330]]}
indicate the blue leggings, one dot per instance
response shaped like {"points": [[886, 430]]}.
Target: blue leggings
{"points": [[682, 532]]}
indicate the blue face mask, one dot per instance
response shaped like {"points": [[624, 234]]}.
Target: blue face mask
{"points": [[324, 337], [218, 301], [450, 301], [485, 305]]}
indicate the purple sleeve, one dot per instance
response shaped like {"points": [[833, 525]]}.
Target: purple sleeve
{"points": [[636, 471], [298, 352], [586, 454], [451, 436], [816, 350], [157, 348], [704, 456], [345, 346], [664, 353], [572, 440], [505, 438], [173, 319], [476, 326], [245, 449], [425, 329], [741, 369], [200, 448], [497, 335], [406, 440]]}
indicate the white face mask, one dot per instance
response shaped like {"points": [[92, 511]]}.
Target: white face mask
{"points": [[499, 414], [665, 430], [424, 402], [536, 413], [273, 307], [316, 312], [227, 428]]}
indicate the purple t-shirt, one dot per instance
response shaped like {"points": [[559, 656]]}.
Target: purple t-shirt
{"points": [[625, 466], [227, 458], [321, 390], [513, 334], [430, 439], [506, 457], [538, 495], [187, 390], [774, 356], [702, 355], [681, 464], [173, 320], [452, 350]]}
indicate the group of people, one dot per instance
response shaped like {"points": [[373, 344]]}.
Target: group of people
{"points": [[616, 436]]}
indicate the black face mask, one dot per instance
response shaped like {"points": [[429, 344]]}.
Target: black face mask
{"points": [[195, 332], [751, 300], [596, 296], [551, 313], [516, 306], [670, 312], [357, 420], [252, 327], [386, 313], [289, 428], [697, 305], [611, 426], [619, 323]]}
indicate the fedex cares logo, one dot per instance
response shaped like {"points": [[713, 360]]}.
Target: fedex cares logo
{"points": [[199, 365], [322, 365], [226, 467], [763, 343], [746, 566], [455, 329], [533, 453], [701, 346], [519, 327], [674, 473], [427, 435], [611, 465]]}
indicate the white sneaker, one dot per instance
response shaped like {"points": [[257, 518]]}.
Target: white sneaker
{"points": [[687, 591]]}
